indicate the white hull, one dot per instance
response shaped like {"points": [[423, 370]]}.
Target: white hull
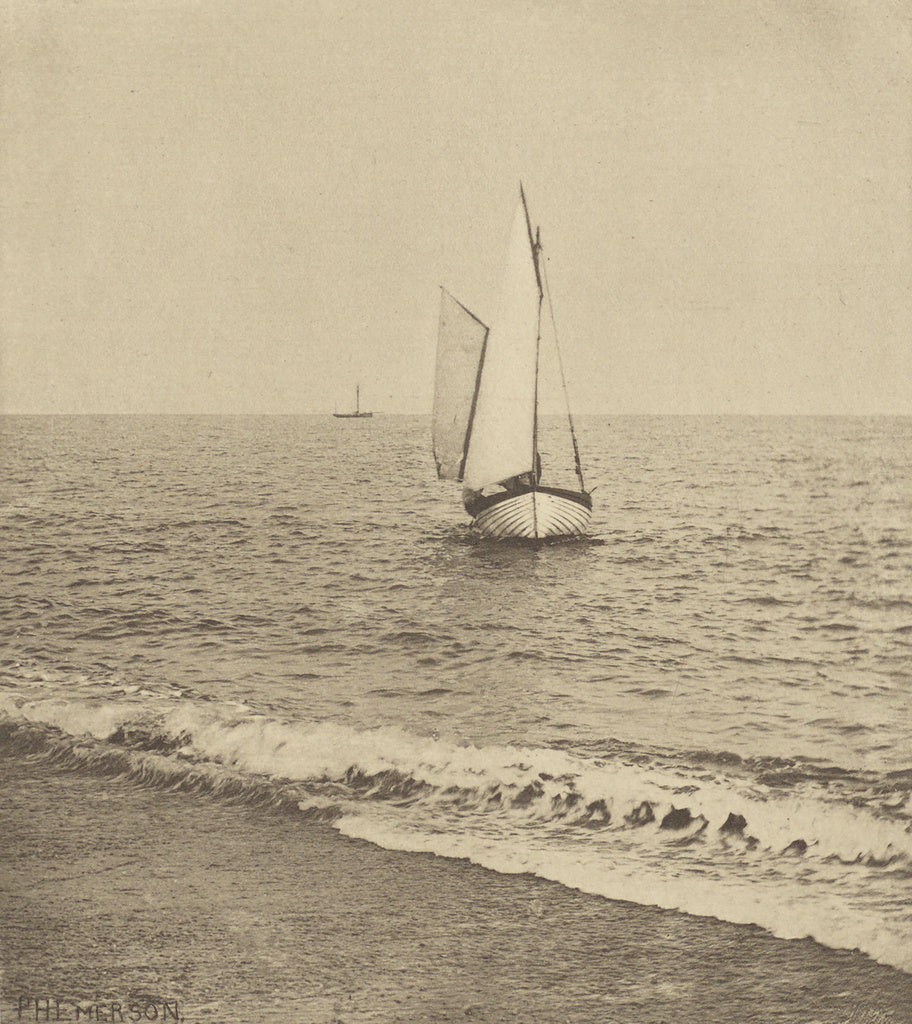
{"points": [[534, 515]]}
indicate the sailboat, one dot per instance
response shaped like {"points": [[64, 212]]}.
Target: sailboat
{"points": [[486, 421], [357, 414]]}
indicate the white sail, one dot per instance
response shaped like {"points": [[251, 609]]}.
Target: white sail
{"points": [[460, 347], [500, 445]]}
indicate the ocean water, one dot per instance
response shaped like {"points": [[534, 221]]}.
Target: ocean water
{"points": [[705, 706]]}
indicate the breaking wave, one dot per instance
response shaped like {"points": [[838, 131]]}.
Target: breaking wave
{"points": [[711, 835]]}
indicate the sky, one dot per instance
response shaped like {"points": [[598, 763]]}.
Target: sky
{"points": [[214, 206]]}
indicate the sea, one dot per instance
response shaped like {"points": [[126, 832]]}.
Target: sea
{"points": [[704, 706]]}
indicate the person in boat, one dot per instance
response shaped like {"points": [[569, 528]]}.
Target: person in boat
{"points": [[513, 485], [523, 481], [517, 484]]}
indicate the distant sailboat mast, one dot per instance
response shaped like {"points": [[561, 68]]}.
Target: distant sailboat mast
{"points": [[357, 414]]}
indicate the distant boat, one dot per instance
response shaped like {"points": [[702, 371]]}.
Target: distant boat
{"points": [[486, 406], [357, 414]]}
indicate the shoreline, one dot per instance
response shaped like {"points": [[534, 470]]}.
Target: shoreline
{"points": [[120, 896]]}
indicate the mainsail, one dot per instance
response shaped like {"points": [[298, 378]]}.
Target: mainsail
{"points": [[503, 426], [460, 353]]}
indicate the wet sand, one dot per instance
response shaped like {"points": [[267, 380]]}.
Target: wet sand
{"points": [[132, 903]]}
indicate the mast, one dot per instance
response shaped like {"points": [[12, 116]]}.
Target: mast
{"points": [[357, 398], [535, 245]]}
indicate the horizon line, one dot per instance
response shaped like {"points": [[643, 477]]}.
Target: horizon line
{"points": [[428, 413]]}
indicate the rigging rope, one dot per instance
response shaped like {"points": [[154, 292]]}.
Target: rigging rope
{"points": [[560, 365]]}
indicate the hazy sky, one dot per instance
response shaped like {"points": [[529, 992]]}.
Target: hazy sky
{"points": [[226, 206]]}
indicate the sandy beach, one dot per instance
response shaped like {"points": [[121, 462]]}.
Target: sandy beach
{"points": [[122, 902]]}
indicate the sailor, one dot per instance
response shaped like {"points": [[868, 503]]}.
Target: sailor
{"points": [[517, 484]]}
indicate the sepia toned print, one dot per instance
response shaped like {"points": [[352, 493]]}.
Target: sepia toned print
{"points": [[291, 728]]}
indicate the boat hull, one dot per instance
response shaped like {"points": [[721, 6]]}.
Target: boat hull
{"points": [[534, 514]]}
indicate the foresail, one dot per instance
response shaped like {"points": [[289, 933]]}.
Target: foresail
{"points": [[460, 347], [500, 445]]}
